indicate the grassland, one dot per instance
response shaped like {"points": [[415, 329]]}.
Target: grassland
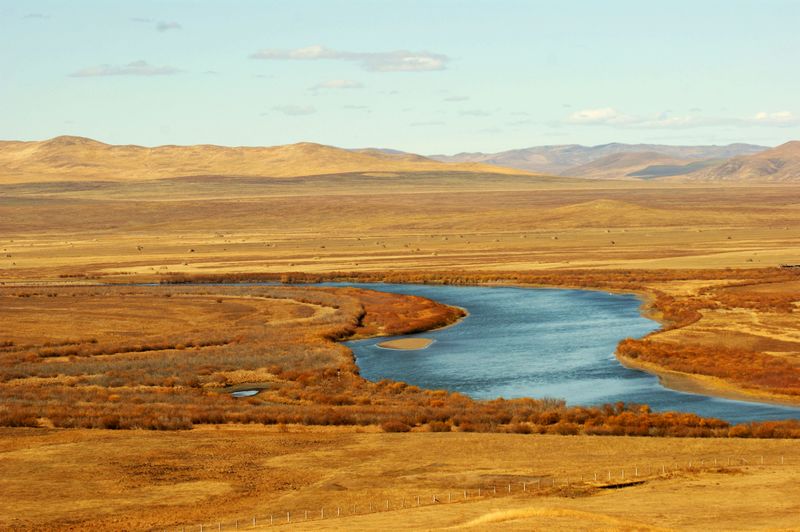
{"points": [[143, 480], [706, 257]]}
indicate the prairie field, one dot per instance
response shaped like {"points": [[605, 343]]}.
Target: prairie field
{"points": [[83, 351], [367, 223], [138, 480]]}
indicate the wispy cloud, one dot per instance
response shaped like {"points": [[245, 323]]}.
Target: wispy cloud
{"points": [[426, 124], [610, 117], [36, 16], [605, 116], [394, 61], [780, 118], [337, 84], [135, 68], [474, 112], [295, 110], [456, 99], [163, 26], [160, 25]]}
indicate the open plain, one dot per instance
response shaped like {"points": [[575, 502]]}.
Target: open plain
{"points": [[705, 258]]}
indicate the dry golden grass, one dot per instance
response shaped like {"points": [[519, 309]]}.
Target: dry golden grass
{"points": [[353, 223], [135, 480], [389, 222]]}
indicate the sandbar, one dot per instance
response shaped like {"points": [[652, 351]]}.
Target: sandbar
{"points": [[407, 344]]}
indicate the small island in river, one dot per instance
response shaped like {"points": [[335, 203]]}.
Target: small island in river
{"points": [[407, 344]]}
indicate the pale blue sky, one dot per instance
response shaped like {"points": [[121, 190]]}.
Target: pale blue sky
{"points": [[425, 76]]}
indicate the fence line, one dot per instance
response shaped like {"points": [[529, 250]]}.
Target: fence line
{"points": [[534, 485]]}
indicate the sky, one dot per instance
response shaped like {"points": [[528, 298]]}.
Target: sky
{"points": [[427, 76]]}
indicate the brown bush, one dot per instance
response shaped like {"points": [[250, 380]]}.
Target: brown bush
{"points": [[394, 425]]}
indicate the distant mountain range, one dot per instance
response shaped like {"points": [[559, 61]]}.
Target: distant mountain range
{"points": [[778, 165], [70, 158], [609, 161]]}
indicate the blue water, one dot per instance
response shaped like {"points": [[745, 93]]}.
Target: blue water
{"points": [[520, 342]]}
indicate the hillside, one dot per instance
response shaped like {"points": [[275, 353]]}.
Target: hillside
{"points": [[778, 165], [561, 159], [82, 159], [620, 165]]}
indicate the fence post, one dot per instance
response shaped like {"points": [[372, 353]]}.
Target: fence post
{"points": [[254, 520], [495, 489], [338, 511], [781, 460], [387, 504], [479, 492], [465, 494], [636, 471], [417, 500], [271, 518], [322, 513], [524, 488], [449, 497], [288, 517]]}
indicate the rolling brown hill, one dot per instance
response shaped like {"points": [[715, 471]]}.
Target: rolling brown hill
{"points": [[81, 159], [561, 159], [619, 165], [777, 165]]}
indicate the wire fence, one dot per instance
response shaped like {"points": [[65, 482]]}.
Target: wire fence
{"points": [[523, 485]]}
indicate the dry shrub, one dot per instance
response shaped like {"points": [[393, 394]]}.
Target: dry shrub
{"points": [[394, 425]]}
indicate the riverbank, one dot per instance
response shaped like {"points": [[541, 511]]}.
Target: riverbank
{"points": [[706, 385], [682, 301]]}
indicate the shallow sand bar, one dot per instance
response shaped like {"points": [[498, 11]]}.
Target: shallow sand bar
{"points": [[407, 343]]}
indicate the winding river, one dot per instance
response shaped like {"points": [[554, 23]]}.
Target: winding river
{"points": [[521, 342]]}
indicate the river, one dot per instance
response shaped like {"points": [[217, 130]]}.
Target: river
{"points": [[522, 342]]}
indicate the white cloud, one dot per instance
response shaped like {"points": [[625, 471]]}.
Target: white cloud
{"points": [[295, 110], [780, 118], [338, 84], [163, 26], [603, 116], [456, 99], [610, 117], [394, 61], [136, 68]]}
